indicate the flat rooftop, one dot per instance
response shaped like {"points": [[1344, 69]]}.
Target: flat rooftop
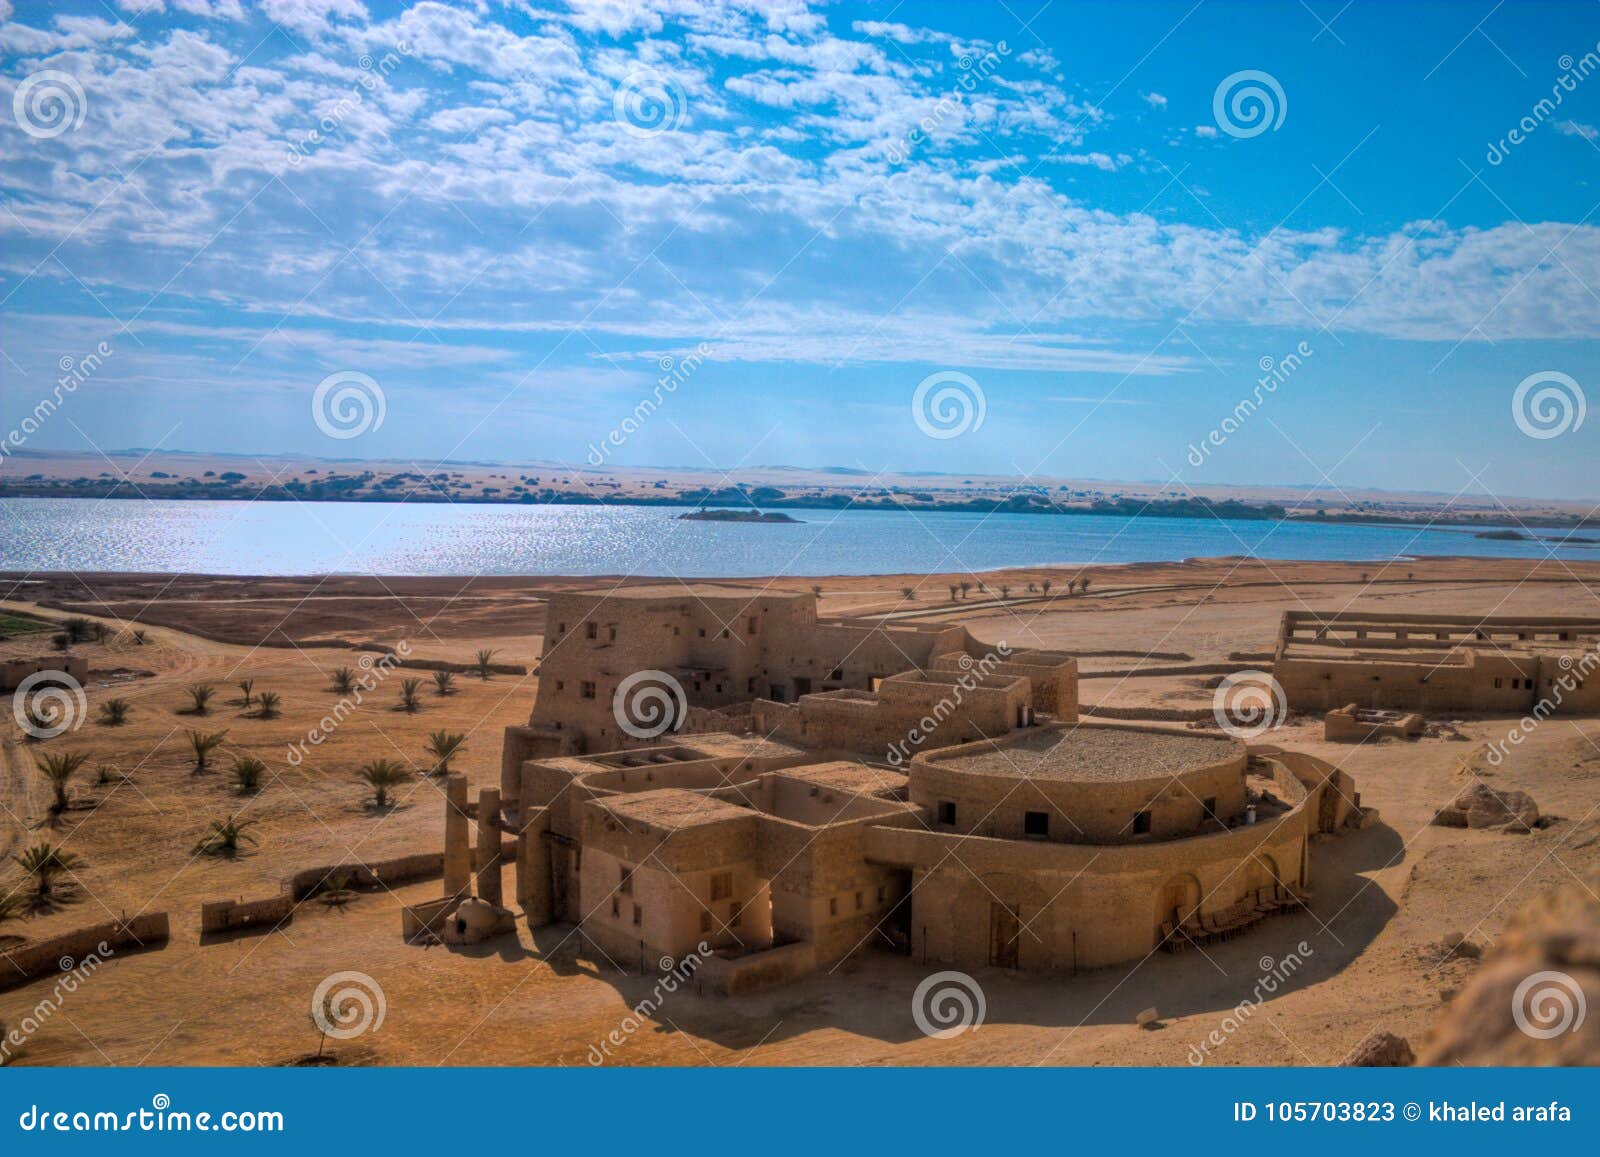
{"points": [[845, 776], [672, 809], [692, 590], [1094, 754]]}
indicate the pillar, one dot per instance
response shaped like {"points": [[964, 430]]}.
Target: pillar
{"points": [[489, 845], [457, 851], [533, 867]]}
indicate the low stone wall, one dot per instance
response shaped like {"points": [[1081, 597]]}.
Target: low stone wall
{"points": [[380, 873], [48, 957], [14, 671], [1158, 714], [1186, 669], [754, 971], [230, 915], [438, 664]]}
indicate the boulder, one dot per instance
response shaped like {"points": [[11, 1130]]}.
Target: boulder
{"points": [[1147, 1018], [1380, 1050], [1481, 806]]}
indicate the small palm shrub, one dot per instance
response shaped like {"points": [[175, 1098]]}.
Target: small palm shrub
{"points": [[200, 698], [45, 863], [114, 712], [381, 775], [203, 744], [247, 773], [59, 769], [485, 663], [410, 689], [226, 838], [344, 681], [269, 705], [444, 683], [246, 686], [444, 746]]}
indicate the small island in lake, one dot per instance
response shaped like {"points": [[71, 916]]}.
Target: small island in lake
{"points": [[736, 516]]}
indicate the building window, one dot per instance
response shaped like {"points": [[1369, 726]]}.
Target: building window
{"points": [[883, 893], [611, 634], [625, 881], [586, 689], [858, 902], [1036, 824], [702, 632], [735, 914], [705, 919], [616, 906], [833, 905], [638, 915], [947, 812], [1141, 823], [561, 684], [750, 625], [750, 686], [721, 885], [836, 675], [561, 629], [1498, 682], [1209, 806], [593, 630]]}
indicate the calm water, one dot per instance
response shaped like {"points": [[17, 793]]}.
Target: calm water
{"points": [[43, 534]]}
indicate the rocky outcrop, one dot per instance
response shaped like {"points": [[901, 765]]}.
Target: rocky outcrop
{"points": [[1534, 1001], [1481, 806], [1380, 1049]]}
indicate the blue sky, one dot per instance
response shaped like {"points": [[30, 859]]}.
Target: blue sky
{"points": [[510, 216]]}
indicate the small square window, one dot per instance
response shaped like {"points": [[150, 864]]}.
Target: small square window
{"points": [[611, 634], [833, 906], [750, 625], [1036, 824], [735, 915], [858, 902], [883, 893], [947, 812], [586, 689], [705, 919], [616, 906], [593, 630], [625, 883], [561, 684], [638, 915], [1209, 806], [721, 885], [1141, 823]]}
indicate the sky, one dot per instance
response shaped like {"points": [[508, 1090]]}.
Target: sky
{"points": [[1324, 243]]}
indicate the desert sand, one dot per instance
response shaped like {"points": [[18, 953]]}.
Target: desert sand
{"points": [[1384, 894]]}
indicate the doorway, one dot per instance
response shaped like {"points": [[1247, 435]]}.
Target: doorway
{"points": [[1005, 935]]}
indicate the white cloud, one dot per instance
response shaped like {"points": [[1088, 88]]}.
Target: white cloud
{"points": [[1155, 100]]}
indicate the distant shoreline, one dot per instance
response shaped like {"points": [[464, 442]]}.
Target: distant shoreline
{"points": [[1026, 503]]}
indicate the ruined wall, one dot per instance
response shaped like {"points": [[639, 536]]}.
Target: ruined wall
{"points": [[14, 671], [44, 958]]}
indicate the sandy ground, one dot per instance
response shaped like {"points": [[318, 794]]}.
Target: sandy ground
{"points": [[1383, 894]]}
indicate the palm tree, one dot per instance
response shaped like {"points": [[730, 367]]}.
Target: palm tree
{"points": [[1032, 587], [247, 773], [225, 838], [1083, 585], [817, 590], [44, 862], [1005, 591], [444, 746], [138, 636], [954, 591], [267, 704], [78, 629], [200, 695], [344, 681], [204, 743], [58, 769], [381, 775], [444, 682], [966, 590], [908, 593], [246, 686], [114, 712], [485, 659], [409, 690], [1044, 585]]}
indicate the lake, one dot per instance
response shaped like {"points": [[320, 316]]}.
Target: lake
{"points": [[285, 538]]}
